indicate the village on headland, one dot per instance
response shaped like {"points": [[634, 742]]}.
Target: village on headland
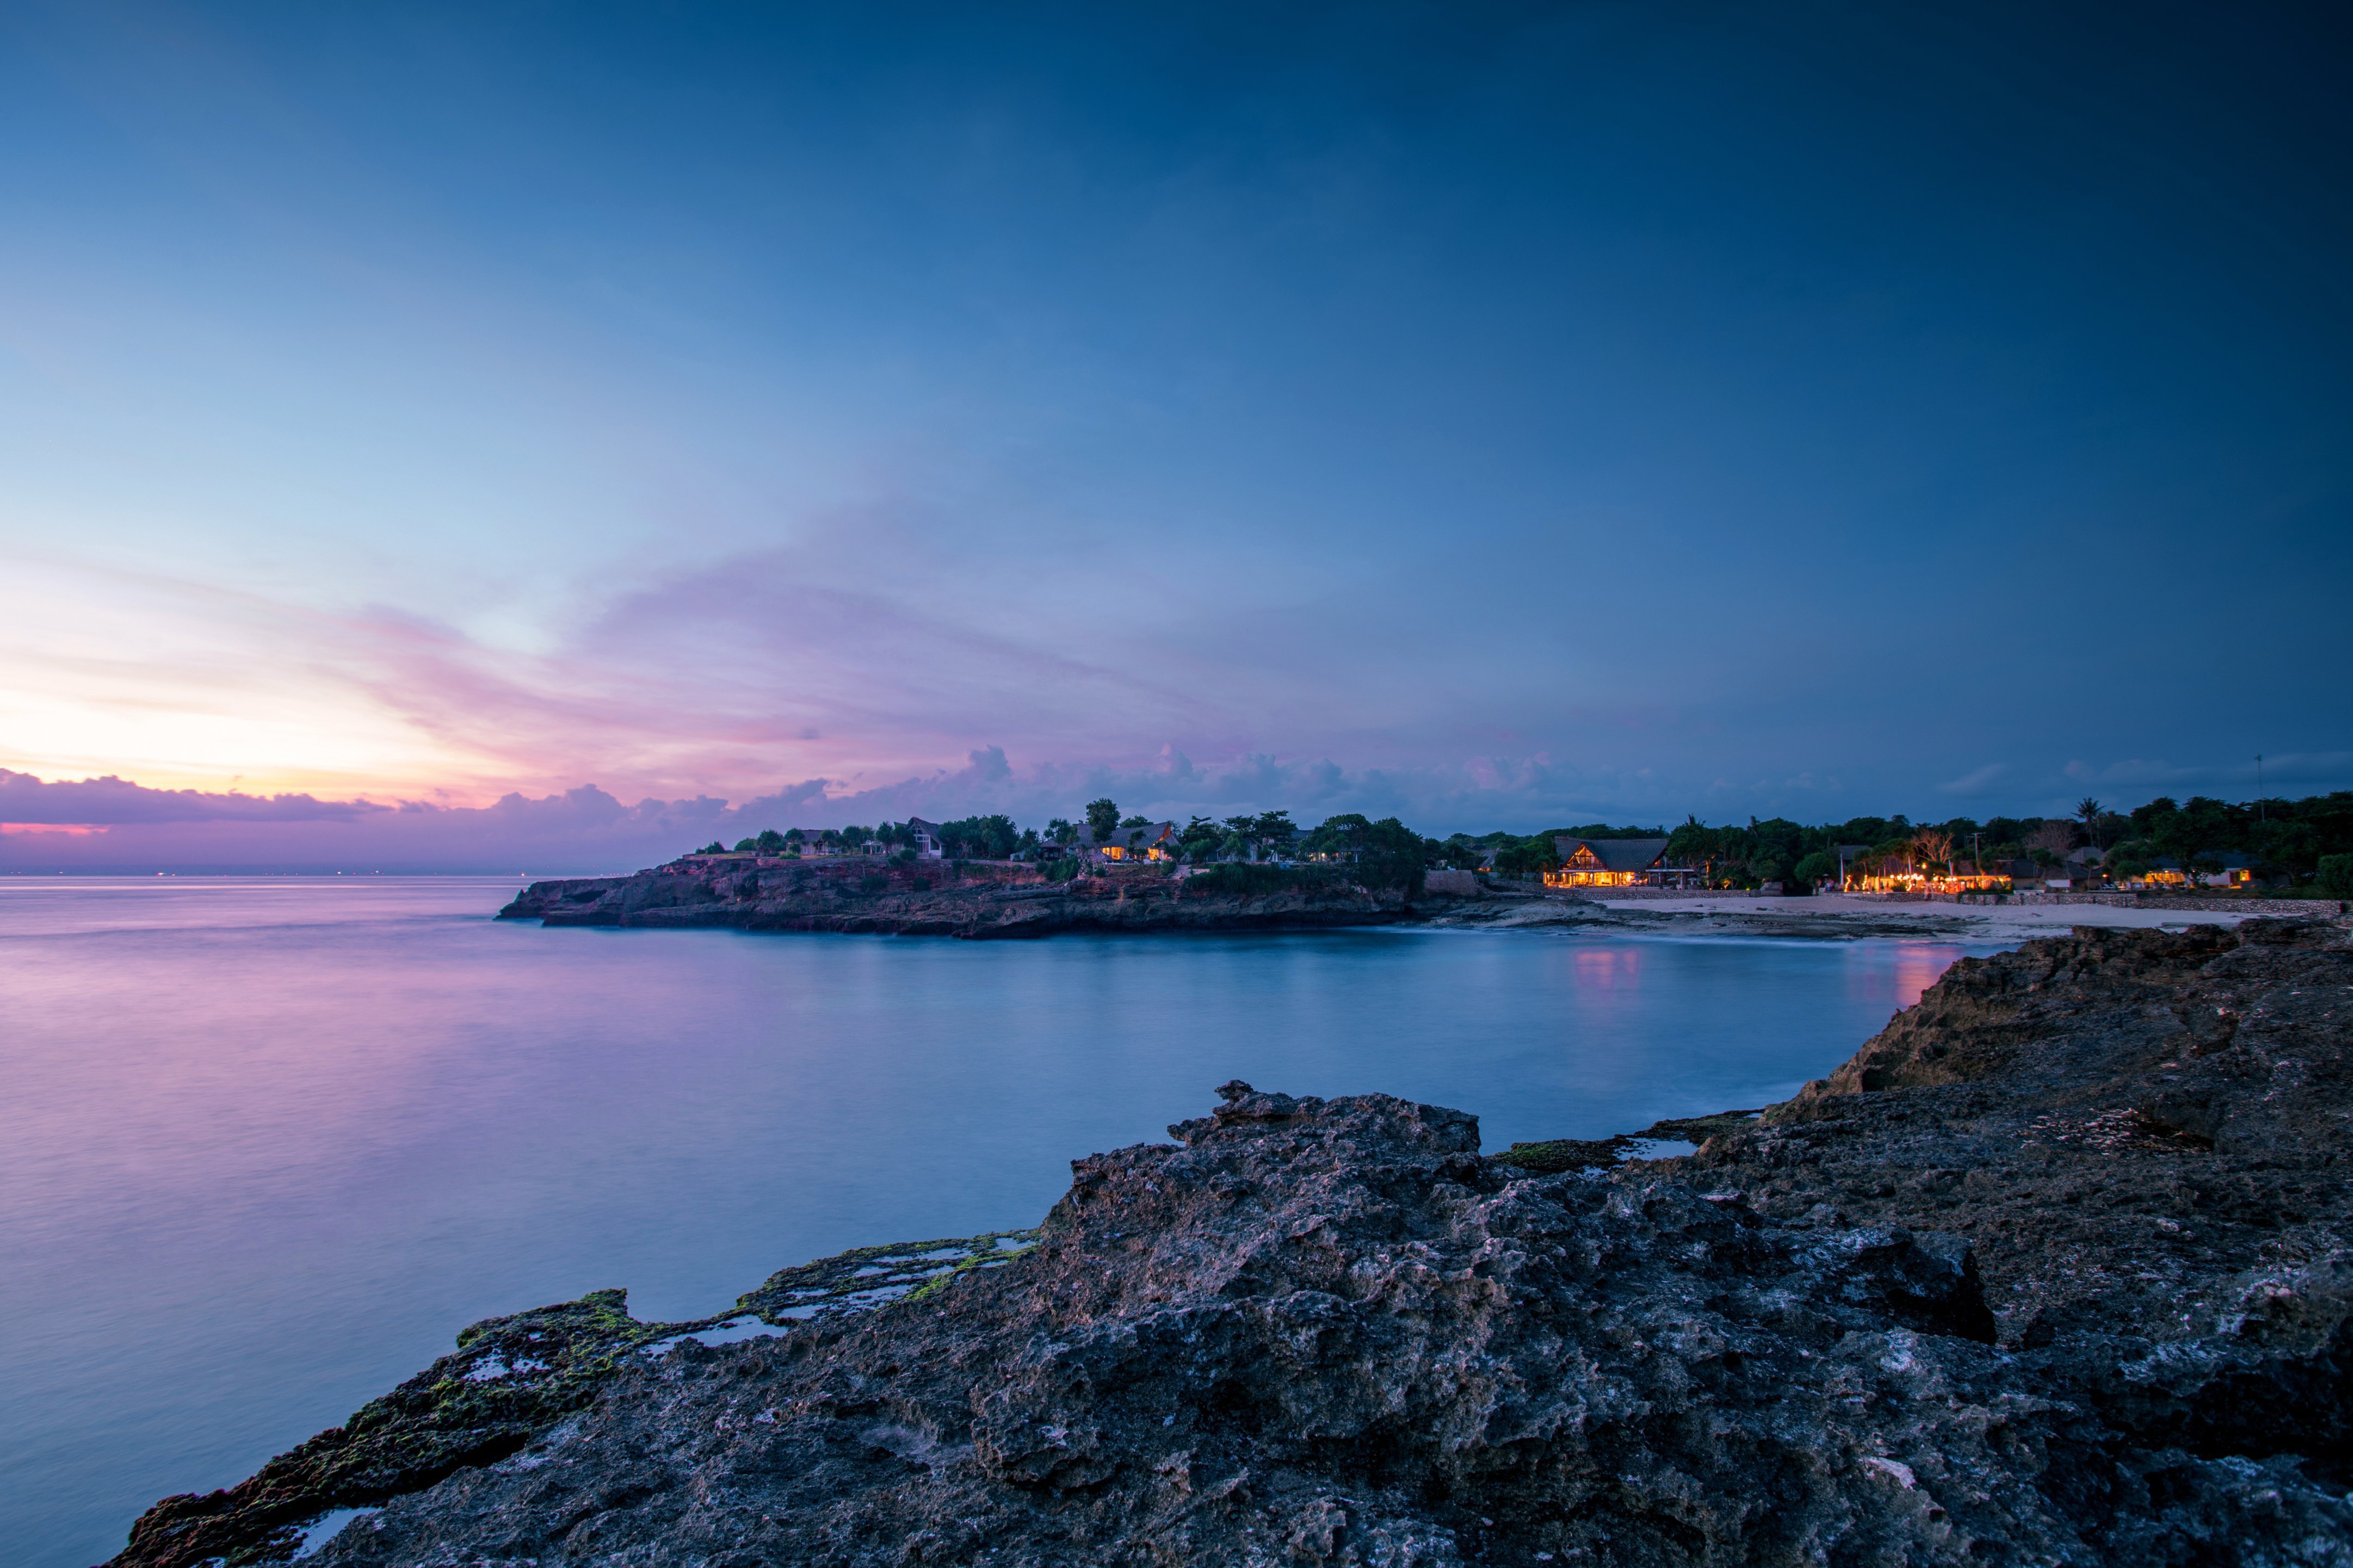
{"points": [[2265, 848]]}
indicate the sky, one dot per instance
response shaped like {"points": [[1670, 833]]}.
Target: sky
{"points": [[438, 435]]}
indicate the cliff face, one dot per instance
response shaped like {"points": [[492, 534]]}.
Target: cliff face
{"points": [[1911, 1317], [933, 900]]}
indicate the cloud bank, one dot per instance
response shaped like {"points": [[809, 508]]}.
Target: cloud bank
{"points": [[111, 825], [1045, 413]]}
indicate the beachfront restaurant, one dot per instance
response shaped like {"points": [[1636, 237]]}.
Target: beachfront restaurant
{"points": [[1904, 878], [1617, 863], [2232, 870], [1890, 875]]}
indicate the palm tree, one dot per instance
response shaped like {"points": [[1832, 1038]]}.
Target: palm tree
{"points": [[2088, 810]]}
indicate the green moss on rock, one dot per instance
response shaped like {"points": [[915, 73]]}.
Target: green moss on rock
{"points": [[509, 1380]]}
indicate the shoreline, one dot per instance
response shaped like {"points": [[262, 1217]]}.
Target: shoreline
{"points": [[2053, 1268], [995, 901], [1831, 916]]}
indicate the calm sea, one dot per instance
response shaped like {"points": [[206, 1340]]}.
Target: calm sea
{"points": [[266, 1144]]}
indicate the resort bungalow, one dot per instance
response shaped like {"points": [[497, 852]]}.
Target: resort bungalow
{"points": [[2233, 869], [1156, 841], [1616, 863], [1153, 841], [1899, 873], [923, 838]]}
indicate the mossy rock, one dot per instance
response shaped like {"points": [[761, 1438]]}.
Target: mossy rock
{"points": [[509, 1380], [867, 1277], [1553, 1155]]}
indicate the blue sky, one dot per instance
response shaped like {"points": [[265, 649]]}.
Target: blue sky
{"points": [[1501, 416]]}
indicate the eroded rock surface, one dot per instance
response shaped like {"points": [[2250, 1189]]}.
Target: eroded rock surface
{"points": [[935, 899], [2147, 1140], [1329, 1332]]}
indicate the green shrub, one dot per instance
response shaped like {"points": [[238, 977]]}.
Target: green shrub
{"points": [[1243, 879], [1527, 857], [2336, 876]]}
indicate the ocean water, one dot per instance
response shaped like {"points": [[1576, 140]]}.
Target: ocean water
{"points": [[266, 1144]]}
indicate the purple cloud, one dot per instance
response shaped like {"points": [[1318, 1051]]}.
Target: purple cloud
{"points": [[589, 829], [110, 800], [122, 827]]}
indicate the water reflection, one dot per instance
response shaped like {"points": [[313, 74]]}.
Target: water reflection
{"points": [[1609, 969], [267, 1145], [1894, 975], [1919, 965]]}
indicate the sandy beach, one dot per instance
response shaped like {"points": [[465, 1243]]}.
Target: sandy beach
{"points": [[1835, 916], [2005, 922]]}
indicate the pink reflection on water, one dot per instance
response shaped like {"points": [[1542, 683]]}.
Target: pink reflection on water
{"points": [[1606, 970], [1917, 968], [265, 1144], [1917, 965]]}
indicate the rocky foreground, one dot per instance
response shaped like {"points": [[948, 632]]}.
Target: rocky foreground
{"points": [[2056, 1270]]}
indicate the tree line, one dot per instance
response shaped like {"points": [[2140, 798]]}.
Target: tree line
{"points": [[971, 839], [2299, 841], [2303, 841]]}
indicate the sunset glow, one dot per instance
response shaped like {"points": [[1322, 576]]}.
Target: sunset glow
{"points": [[989, 421]]}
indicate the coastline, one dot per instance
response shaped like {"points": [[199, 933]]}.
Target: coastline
{"points": [[991, 901], [1831, 915], [2051, 1270], [861, 1090], [986, 901]]}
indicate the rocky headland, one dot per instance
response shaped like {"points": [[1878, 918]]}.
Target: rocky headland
{"points": [[2055, 1271], [978, 901], [984, 899]]}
